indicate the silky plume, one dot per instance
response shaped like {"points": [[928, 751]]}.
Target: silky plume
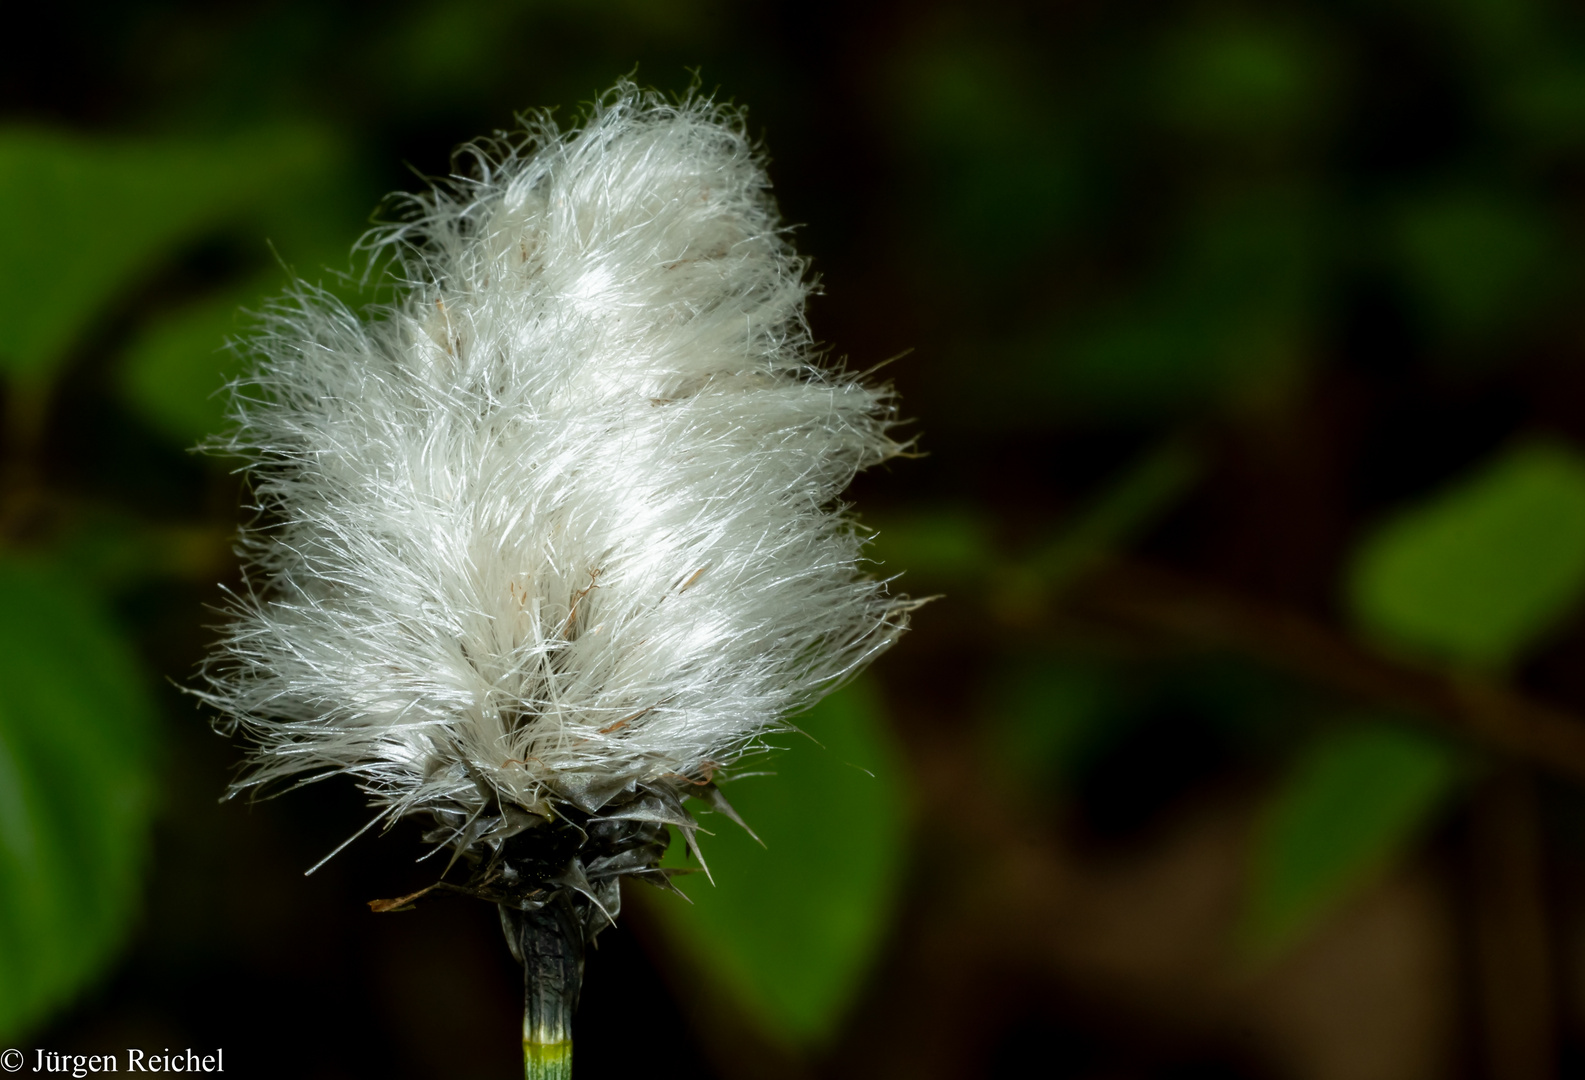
{"points": [[547, 544]]}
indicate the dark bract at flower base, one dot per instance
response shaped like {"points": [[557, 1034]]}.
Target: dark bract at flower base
{"points": [[550, 542]]}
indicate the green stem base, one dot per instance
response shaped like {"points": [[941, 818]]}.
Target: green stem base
{"points": [[547, 1061]]}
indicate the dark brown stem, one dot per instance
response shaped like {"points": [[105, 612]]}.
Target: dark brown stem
{"points": [[1163, 604], [1510, 927], [549, 942]]}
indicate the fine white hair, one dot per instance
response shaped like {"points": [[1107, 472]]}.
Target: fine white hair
{"points": [[562, 520]]}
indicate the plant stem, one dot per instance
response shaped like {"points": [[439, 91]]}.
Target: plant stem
{"points": [[549, 942]]}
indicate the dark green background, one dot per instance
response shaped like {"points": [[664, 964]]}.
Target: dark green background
{"points": [[1245, 351]]}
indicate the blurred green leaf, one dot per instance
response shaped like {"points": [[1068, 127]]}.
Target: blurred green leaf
{"points": [[1004, 168], [76, 791], [1495, 32], [1126, 506], [1475, 262], [1242, 78], [85, 218], [1055, 718], [176, 368], [955, 545], [1227, 314], [1353, 802], [465, 52], [934, 545], [791, 928], [1545, 102], [110, 550], [1049, 719], [1478, 572]]}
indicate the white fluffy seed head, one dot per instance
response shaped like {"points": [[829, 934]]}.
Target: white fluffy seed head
{"points": [[562, 520]]}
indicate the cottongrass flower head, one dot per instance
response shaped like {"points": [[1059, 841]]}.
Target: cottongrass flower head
{"points": [[548, 543]]}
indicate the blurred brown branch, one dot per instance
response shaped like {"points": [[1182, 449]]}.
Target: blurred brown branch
{"points": [[1165, 604]]}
